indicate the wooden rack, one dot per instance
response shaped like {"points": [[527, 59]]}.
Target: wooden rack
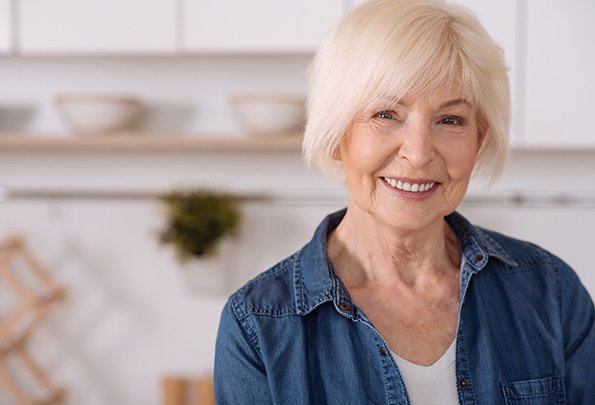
{"points": [[19, 325]]}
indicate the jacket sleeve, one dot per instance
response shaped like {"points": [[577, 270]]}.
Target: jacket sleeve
{"points": [[239, 375], [578, 321]]}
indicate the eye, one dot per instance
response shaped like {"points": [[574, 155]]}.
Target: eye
{"points": [[452, 120], [386, 115]]}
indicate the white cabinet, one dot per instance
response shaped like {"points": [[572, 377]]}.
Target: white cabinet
{"points": [[97, 26], [500, 19], [560, 96], [283, 26], [5, 26]]}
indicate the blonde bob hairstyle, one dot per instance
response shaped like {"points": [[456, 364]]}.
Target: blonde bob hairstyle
{"points": [[386, 49]]}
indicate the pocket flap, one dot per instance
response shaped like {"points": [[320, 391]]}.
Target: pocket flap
{"points": [[533, 388]]}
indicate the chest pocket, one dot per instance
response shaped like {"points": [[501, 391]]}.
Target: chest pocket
{"points": [[543, 391]]}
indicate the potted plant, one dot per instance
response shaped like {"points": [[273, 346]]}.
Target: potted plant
{"points": [[197, 220]]}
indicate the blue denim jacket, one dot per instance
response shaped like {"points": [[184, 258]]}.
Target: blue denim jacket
{"points": [[526, 332]]}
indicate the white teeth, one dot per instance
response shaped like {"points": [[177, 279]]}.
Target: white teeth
{"points": [[411, 187]]}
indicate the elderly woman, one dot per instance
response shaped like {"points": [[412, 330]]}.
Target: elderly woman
{"points": [[399, 299]]}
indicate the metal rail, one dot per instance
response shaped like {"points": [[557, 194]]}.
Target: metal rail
{"points": [[300, 197]]}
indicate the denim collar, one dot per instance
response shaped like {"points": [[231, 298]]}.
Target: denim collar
{"points": [[316, 282]]}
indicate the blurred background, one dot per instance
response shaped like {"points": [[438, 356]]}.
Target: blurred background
{"points": [[107, 104]]}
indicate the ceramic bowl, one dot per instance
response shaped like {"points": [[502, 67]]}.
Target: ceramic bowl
{"points": [[269, 114], [99, 113]]}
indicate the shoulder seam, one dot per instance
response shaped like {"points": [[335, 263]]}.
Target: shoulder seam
{"points": [[247, 325], [559, 295], [297, 283]]}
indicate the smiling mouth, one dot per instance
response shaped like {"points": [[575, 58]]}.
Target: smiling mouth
{"points": [[407, 186]]}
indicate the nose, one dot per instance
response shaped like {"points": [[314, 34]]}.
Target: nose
{"points": [[416, 146]]}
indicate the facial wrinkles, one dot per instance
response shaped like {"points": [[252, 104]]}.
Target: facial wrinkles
{"points": [[397, 166], [397, 170], [374, 144], [369, 188]]}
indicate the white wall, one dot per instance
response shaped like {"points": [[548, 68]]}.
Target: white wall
{"points": [[130, 317]]}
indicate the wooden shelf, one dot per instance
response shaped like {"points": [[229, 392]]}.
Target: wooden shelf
{"points": [[150, 142]]}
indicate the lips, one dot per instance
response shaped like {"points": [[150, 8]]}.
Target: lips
{"points": [[410, 186]]}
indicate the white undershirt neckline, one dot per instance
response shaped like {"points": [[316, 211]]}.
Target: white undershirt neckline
{"points": [[434, 384], [438, 367]]}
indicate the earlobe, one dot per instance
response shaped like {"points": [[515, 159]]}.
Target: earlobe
{"points": [[337, 153]]}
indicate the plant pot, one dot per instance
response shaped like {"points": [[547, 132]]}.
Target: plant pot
{"points": [[211, 275]]}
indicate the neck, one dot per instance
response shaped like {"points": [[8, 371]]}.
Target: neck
{"points": [[367, 252]]}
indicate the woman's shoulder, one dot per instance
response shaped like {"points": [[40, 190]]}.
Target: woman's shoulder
{"points": [[271, 292], [527, 256], [524, 253], [512, 254], [535, 269], [293, 286]]}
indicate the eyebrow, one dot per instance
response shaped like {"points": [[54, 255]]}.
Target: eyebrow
{"points": [[449, 103], [455, 102]]}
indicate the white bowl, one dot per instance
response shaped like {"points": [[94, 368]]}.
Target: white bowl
{"points": [[269, 114], [98, 113]]}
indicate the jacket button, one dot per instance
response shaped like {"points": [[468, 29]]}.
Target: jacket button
{"points": [[478, 258], [344, 307], [382, 351], [463, 383]]}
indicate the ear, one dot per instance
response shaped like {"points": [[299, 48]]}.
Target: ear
{"points": [[480, 139], [337, 153]]}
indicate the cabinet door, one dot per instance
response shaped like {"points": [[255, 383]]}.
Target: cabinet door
{"points": [[97, 26], [500, 19], [560, 70], [5, 26], [285, 26]]}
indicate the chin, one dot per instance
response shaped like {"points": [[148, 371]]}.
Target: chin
{"points": [[409, 219]]}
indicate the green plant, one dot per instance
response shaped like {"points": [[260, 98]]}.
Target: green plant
{"points": [[197, 220]]}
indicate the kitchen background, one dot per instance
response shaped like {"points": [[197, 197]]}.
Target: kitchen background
{"points": [[132, 314]]}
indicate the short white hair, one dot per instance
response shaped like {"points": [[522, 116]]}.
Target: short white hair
{"points": [[397, 47]]}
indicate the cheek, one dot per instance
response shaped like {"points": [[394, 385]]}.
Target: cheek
{"points": [[361, 154], [460, 152], [462, 161]]}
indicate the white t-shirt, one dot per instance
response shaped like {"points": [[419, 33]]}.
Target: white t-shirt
{"points": [[431, 385]]}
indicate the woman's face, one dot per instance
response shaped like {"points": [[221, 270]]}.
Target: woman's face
{"points": [[409, 164]]}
